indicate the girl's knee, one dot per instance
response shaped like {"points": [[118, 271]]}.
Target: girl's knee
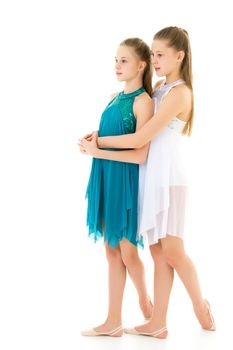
{"points": [[129, 258], [173, 250], [129, 253], [173, 257], [113, 254], [157, 252]]}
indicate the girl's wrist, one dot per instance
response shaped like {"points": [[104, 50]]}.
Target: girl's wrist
{"points": [[95, 153]]}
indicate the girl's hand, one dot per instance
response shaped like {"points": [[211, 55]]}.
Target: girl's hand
{"points": [[87, 137], [81, 149], [90, 147]]}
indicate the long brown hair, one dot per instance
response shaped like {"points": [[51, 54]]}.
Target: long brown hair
{"points": [[143, 51], [178, 39]]}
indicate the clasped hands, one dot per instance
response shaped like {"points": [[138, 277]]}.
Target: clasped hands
{"points": [[88, 144]]}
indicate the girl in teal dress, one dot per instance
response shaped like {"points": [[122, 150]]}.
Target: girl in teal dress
{"points": [[112, 190]]}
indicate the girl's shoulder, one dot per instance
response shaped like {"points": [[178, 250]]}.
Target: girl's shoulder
{"points": [[183, 91], [143, 102], [180, 99], [144, 97]]}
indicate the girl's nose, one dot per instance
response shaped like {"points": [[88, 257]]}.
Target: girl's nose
{"points": [[117, 65], [154, 61]]}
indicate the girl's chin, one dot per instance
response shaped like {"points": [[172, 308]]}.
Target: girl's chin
{"points": [[120, 78], [159, 73]]}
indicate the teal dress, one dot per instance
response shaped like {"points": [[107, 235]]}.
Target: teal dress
{"points": [[112, 190]]}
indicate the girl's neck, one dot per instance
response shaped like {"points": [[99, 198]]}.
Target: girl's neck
{"points": [[131, 86], [170, 78]]}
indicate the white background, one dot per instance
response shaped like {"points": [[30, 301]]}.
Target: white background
{"points": [[56, 63]]}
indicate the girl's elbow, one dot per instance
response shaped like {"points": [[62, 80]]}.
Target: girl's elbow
{"points": [[138, 144], [143, 154], [142, 159]]}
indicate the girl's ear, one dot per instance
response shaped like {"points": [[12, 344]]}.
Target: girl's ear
{"points": [[180, 56], [142, 66]]}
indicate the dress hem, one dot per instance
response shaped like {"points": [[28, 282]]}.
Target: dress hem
{"points": [[97, 236]]}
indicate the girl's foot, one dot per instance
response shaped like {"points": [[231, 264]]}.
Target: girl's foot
{"points": [[149, 329], [146, 307], [105, 329], [205, 316]]}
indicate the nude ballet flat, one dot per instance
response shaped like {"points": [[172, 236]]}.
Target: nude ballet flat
{"points": [[159, 333], [117, 332], [213, 325]]}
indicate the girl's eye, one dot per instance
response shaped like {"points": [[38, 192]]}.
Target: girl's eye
{"points": [[159, 54], [120, 61]]}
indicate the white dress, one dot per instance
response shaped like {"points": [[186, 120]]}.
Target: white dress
{"points": [[163, 186]]}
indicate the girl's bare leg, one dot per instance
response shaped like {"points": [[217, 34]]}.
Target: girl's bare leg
{"points": [[136, 271], [117, 278], [163, 281], [173, 249]]}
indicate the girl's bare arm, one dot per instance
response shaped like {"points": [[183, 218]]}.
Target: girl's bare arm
{"points": [[172, 105], [143, 109]]}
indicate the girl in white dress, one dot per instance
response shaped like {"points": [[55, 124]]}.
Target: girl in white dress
{"points": [[163, 186]]}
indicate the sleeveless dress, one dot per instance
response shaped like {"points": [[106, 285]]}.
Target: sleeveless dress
{"points": [[163, 186], [112, 190]]}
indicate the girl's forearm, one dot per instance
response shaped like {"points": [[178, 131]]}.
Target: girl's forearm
{"points": [[121, 141], [136, 156], [136, 140], [151, 129]]}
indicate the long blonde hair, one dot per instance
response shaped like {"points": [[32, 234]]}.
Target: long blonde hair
{"points": [[178, 39], [143, 51]]}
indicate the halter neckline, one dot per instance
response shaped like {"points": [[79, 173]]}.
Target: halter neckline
{"points": [[122, 95], [172, 83]]}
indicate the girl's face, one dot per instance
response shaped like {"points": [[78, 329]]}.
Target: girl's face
{"points": [[165, 59], [127, 66]]}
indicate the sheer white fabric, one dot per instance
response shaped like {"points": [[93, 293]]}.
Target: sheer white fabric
{"points": [[163, 187]]}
